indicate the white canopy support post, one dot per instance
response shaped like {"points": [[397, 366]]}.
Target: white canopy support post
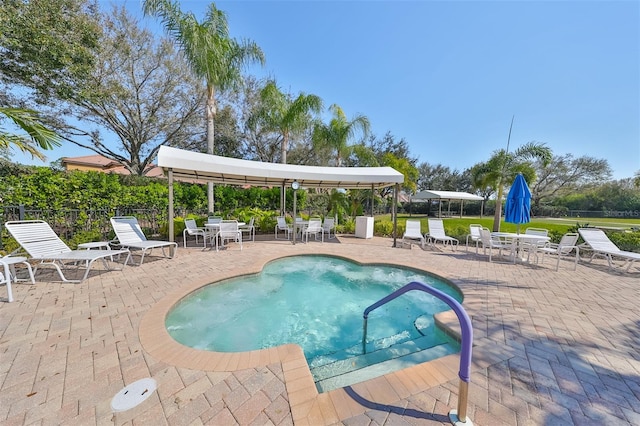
{"points": [[295, 199], [394, 213], [171, 233], [371, 201]]}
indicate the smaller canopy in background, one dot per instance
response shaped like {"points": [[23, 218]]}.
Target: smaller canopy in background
{"points": [[429, 194], [518, 206]]}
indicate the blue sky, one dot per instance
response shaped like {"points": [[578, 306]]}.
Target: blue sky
{"points": [[447, 76]]}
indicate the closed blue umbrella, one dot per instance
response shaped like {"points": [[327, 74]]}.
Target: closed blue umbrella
{"points": [[517, 209]]}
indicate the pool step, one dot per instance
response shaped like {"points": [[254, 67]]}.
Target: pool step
{"points": [[374, 364]]}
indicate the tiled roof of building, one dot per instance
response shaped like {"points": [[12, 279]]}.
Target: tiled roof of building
{"points": [[103, 164]]}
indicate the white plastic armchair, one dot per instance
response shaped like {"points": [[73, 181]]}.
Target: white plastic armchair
{"points": [[229, 231], [474, 235], [250, 229], [489, 242], [315, 228], [191, 228], [566, 247], [328, 225], [283, 226]]}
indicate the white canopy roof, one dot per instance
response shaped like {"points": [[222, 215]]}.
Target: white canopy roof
{"points": [[444, 195], [212, 168]]}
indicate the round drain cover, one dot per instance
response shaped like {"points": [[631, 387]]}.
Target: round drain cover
{"points": [[133, 395]]}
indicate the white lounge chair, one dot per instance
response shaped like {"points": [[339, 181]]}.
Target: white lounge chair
{"points": [[130, 236], [282, 225], [229, 231], [597, 241], [436, 233], [41, 243], [413, 232], [191, 228], [564, 248], [314, 227]]}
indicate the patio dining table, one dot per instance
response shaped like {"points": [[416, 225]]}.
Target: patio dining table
{"points": [[520, 241]]}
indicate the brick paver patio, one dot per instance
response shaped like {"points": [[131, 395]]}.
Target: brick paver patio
{"points": [[550, 348]]}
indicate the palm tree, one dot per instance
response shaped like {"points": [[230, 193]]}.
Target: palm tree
{"points": [[338, 132], [212, 54], [40, 137], [502, 168], [286, 116]]}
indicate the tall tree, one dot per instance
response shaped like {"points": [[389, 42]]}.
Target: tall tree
{"points": [[47, 46], [142, 91], [284, 115], [500, 170], [337, 134], [441, 178], [38, 135], [213, 55], [565, 174]]}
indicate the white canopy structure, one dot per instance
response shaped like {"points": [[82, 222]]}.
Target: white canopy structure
{"points": [[429, 194], [212, 168], [188, 165]]}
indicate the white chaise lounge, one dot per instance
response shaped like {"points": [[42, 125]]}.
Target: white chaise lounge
{"points": [[597, 241], [437, 233], [413, 233], [41, 243], [130, 236]]}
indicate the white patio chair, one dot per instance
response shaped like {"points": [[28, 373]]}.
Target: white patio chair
{"points": [[282, 225], [229, 231], [599, 243], [250, 229], [437, 233], [314, 227], [214, 219], [191, 228], [130, 235], [328, 225], [474, 235], [413, 233], [41, 243], [489, 242], [564, 248]]}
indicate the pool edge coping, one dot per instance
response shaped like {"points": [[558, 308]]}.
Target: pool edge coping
{"points": [[305, 401]]}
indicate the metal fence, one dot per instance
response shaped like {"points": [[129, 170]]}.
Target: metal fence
{"points": [[633, 214]]}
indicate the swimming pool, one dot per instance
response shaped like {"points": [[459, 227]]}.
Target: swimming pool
{"points": [[316, 302]]}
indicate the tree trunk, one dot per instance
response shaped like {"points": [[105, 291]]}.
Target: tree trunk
{"points": [[497, 217], [211, 114]]}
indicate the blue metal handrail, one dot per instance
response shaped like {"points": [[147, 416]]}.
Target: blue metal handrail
{"points": [[464, 373]]}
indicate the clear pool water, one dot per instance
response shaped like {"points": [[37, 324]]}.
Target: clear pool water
{"points": [[316, 302]]}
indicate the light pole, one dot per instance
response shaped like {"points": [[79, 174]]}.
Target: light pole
{"points": [[295, 185]]}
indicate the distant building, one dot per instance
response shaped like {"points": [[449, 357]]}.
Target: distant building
{"points": [[98, 163]]}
